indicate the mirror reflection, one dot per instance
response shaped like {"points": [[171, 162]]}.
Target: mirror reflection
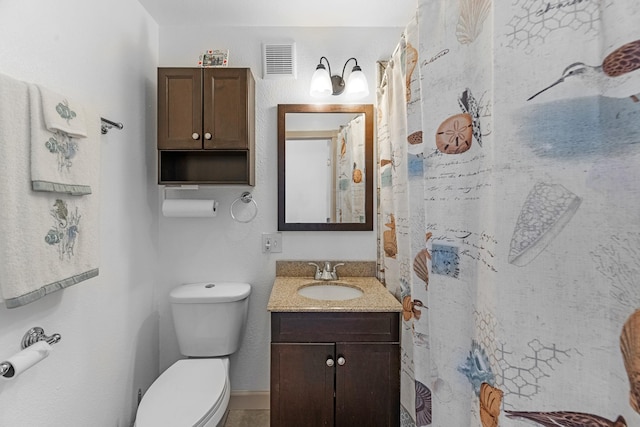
{"points": [[325, 167]]}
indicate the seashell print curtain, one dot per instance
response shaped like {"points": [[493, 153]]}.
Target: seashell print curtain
{"points": [[509, 212]]}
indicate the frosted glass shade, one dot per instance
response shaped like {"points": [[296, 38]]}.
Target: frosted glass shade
{"points": [[357, 85], [320, 83]]}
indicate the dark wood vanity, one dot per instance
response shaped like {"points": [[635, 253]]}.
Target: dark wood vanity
{"points": [[334, 363], [335, 369]]}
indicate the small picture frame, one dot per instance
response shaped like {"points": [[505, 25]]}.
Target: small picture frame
{"points": [[214, 58]]}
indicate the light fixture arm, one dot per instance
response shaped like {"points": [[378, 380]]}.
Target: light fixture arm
{"points": [[345, 66], [328, 65]]}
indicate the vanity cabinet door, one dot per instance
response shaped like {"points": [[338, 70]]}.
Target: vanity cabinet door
{"points": [[302, 385], [367, 384], [228, 99], [179, 108]]}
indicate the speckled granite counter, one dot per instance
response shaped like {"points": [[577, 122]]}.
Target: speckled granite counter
{"points": [[285, 298]]}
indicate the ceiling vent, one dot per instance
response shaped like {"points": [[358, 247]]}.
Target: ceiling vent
{"points": [[278, 60]]}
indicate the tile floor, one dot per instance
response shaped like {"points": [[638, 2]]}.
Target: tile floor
{"points": [[248, 418]]}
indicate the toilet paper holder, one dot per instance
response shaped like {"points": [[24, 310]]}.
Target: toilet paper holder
{"points": [[31, 337]]}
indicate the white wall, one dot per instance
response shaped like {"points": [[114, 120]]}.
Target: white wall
{"points": [[104, 54], [193, 250]]}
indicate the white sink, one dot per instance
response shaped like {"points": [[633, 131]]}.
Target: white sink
{"points": [[331, 291]]}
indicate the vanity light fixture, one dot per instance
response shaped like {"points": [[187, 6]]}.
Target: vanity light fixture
{"points": [[325, 84]]}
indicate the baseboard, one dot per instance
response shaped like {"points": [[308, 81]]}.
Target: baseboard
{"points": [[249, 400]]}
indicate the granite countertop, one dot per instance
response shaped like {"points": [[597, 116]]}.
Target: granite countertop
{"points": [[285, 298]]}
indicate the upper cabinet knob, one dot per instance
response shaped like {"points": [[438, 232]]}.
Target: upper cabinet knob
{"points": [[195, 135], [207, 135], [341, 361], [329, 362]]}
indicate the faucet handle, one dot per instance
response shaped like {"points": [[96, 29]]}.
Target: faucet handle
{"points": [[337, 265], [318, 272]]}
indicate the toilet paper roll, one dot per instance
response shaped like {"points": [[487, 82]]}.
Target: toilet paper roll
{"points": [[189, 208], [28, 357]]}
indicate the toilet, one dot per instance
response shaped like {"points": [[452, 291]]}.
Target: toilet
{"points": [[209, 319]]}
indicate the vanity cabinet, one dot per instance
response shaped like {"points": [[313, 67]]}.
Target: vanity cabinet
{"points": [[335, 369], [206, 126]]}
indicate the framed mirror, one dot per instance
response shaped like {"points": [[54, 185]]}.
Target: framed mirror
{"points": [[325, 167]]}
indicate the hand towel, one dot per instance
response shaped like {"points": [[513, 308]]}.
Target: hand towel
{"points": [[60, 162], [62, 114], [49, 240]]}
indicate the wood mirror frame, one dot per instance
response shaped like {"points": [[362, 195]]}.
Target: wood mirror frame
{"points": [[367, 110]]}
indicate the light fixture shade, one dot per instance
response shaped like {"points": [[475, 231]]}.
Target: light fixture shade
{"points": [[357, 85], [320, 83]]}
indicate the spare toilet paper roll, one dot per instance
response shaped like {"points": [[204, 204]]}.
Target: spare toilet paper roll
{"points": [[189, 208], [28, 357]]}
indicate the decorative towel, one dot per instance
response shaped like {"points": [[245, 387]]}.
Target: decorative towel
{"points": [[49, 240], [62, 114], [60, 162]]}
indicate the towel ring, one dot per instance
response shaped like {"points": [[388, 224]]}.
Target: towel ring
{"points": [[245, 197]]}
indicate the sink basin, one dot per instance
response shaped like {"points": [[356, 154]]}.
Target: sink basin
{"points": [[330, 291]]}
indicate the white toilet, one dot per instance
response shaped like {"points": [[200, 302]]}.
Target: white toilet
{"points": [[209, 319]]}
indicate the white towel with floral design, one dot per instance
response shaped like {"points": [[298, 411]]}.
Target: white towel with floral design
{"points": [[63, 155], [49, 240]]}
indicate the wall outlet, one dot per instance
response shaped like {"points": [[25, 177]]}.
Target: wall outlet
{"points": [[271, 242]]}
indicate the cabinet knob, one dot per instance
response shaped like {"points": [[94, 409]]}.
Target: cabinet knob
{"points": [[195, 136], [329, 362], [341, 361], [207, 135]]}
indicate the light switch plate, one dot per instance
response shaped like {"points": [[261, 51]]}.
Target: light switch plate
{"points": [[272, 242]]}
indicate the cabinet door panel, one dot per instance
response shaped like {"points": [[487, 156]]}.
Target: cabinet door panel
{"points": [[225, 108], [302, 385], [179, 108], [368, 385]]}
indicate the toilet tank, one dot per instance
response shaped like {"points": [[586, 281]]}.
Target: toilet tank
{"points": [[210, 317]]}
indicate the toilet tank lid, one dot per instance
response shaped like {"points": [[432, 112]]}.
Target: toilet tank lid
{"points": [[209, 292]]}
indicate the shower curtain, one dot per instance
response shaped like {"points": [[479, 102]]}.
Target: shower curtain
{"points": [[509, 211], [349, 163]]}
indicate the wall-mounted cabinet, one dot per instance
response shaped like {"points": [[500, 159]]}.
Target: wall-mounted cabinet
{"points": [[206, 126]]}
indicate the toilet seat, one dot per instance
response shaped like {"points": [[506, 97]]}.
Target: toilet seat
{"points": [[189, 393]]}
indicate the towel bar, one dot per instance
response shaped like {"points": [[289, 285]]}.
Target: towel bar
{"points": [[108, 124]]}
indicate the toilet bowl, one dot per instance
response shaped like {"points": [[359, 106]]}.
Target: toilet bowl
{"points": [[194, 392]]}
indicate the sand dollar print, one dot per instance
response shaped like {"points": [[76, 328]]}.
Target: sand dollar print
{"points": [[454, 135]]}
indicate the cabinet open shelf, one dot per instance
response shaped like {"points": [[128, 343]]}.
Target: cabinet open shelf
{"points": [[204, 166]]}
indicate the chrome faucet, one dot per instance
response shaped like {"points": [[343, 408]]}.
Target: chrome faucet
{"points": [[327, 273]]}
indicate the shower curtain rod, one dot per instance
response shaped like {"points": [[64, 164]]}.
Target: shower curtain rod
{"points": [[108, 124]]}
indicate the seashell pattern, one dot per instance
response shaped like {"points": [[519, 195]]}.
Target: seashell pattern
{"points": [[469, 105], [546, 211], [490, 401], [477, 368], [409, 308], [630, 348], [420, 265], [389, 240], [473, 13], [454, 135], [423, 404], [415, 138], [411, 60], [567, 419], [356, 175]]}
